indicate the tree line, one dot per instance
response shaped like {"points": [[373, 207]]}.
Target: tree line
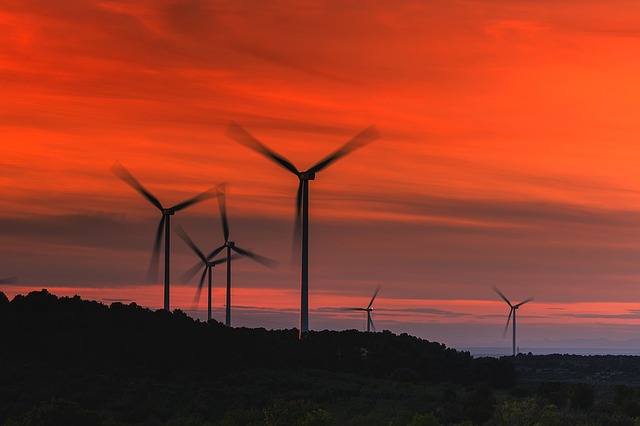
{"points": [[72, 361]]}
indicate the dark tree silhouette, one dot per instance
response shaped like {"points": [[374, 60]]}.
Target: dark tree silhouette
{"points": [[86, 359]]}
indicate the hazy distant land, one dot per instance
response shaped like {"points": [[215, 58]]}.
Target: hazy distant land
{"points": [[582, 347]]}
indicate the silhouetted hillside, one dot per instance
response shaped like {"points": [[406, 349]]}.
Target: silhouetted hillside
{"points": [[71, 331], [125, 363], [613, 369], [67, 361], [75, 362]]}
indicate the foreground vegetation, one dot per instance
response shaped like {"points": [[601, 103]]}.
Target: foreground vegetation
{"points": [[69, 361]]}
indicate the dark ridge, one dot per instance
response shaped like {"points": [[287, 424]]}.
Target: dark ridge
{"points": [[76, 332], [68, 361], [88, 363]]}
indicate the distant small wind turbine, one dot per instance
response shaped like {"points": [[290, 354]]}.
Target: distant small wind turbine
{"points": [[513, 310], [240, 135], [208, 266], [164, 228], [368, 309], [231, 246]]}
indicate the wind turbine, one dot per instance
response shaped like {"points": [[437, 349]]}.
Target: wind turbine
{"points": [[368, 309], [231, 246], [207, 270], [239, 134], [164, 227], [513, 310]]}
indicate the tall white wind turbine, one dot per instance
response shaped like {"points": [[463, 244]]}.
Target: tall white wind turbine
{"points": [[206, 263], [368, 309], [232, 247], [512, 311], [240, 135], [164, 227]]}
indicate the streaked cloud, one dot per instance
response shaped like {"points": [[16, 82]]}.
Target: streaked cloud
{"points": [[509, 151]]}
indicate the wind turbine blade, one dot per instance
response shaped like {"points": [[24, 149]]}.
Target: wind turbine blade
{"points": [[219, 261], [119, 170], [195, 268], [152, 273], [196, 299], [260, 259], [215, 252], [375, 293], [8, 280], [524, 301], [502, 295], [224, 259], [373, 327], [354, 309], [186, 276], [182, 234], [240, 135], [202, 277], [504, 333], [363, 138], [297, 229], [209, 193], [222, 204]]}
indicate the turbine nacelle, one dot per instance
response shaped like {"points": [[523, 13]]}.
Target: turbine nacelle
{"points": [[168, 212], [307, 175], [230, 244]]}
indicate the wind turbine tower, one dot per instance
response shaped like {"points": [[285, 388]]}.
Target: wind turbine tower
{"points": [[368, 309], [240, 135], [512, 311], [232, 247], [208, 268], [164, 227]]}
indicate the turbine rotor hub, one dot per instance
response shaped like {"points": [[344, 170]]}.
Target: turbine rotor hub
{"points": [[307, 176], [168, 212]]}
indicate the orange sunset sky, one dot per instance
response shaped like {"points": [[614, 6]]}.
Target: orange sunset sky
{"points": [[509, 156]]}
